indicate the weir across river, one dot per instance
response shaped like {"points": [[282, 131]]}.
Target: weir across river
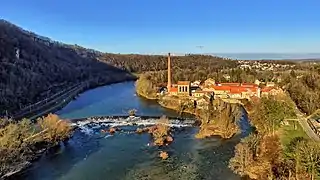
{"points": [[112, 121]]}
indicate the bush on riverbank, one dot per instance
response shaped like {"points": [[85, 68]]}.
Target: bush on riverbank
{"points": [[20, 142], [145, 87], [55, 129]]}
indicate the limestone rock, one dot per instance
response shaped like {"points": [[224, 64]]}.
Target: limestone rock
{"points": [[169, 139], [112, 130], [164, 155]]}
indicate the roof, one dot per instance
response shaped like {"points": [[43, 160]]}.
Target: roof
{"points": [[235, 91], [221, 88], [249, 85], [241, 89], [173, 89], [267, 89], [183, 82], [230, 84]]}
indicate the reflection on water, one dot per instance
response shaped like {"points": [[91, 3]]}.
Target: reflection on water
{"points": [[115, 99], [126, 155]]}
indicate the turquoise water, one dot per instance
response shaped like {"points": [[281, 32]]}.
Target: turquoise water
{"points": [[116, 99], [126, 155]]}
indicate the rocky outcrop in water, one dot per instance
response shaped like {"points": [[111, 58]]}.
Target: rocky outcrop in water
{"points": [[161, 132], [163, 155], [220, 119]]}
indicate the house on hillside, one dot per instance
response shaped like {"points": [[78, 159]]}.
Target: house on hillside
{"points": [[266, 91], [270, 84], [221, 91]]}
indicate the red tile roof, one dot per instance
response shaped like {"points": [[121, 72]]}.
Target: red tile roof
{"points": [[266, 89], [221, 88], [236, 91], [249, 85], [183, 82], [173, 89]]}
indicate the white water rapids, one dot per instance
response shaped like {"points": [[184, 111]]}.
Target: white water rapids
{"points": [[88, 125]]}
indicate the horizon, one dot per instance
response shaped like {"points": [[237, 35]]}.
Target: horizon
{"points": [[233, 56], [129, 28]]}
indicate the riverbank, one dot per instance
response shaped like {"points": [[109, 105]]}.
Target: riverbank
{"points": [[218, 118], [277, 149], [22, 166], [172, 103], [24, 142], [59, 102], [126, 154]]}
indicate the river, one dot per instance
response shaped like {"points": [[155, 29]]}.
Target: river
{"points": [[126, 155]]}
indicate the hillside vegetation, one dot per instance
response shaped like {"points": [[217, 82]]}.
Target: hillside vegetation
{"points": [[188, 67], [33, 67], [22, 142], [270, 152], [142, 63]]}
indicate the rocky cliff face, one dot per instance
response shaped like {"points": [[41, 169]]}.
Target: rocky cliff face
{"points": [[219, 120], [33, 66]]}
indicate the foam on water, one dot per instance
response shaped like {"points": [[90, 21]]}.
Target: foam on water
{"points": [[89, 125]]}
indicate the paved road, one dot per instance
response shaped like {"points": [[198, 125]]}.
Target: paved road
{"points": [[306, 126]]}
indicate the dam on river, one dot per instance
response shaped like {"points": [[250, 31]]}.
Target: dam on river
{"points": [[87, 125]]}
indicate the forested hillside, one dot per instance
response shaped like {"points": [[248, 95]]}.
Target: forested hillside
{"points": [[143, 63], [33, 67]]}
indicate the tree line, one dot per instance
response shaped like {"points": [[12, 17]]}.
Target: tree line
{"points": [[304, 90]]}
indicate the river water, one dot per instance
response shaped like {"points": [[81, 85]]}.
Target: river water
{"points": [[126, 155]]}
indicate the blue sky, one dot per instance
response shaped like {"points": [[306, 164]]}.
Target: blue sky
{"points": [[160, 26]]}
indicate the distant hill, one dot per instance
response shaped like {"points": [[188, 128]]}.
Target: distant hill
{"points": [[143, 63], [33, 66], [270, 56]]}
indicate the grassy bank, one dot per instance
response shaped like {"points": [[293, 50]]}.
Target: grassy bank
{"points": [[290, 132]]}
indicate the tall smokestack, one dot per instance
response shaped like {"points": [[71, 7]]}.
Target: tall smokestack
{"points": [[169, 72]]}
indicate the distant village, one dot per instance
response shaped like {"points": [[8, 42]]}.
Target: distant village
{"points": [[210, 88], [257, 65]]}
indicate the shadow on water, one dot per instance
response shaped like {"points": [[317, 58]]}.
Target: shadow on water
{"points": [[116, 99], [95, 97], [59, 161]]}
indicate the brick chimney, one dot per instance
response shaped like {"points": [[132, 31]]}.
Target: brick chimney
{"points": [[169, 72]]}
